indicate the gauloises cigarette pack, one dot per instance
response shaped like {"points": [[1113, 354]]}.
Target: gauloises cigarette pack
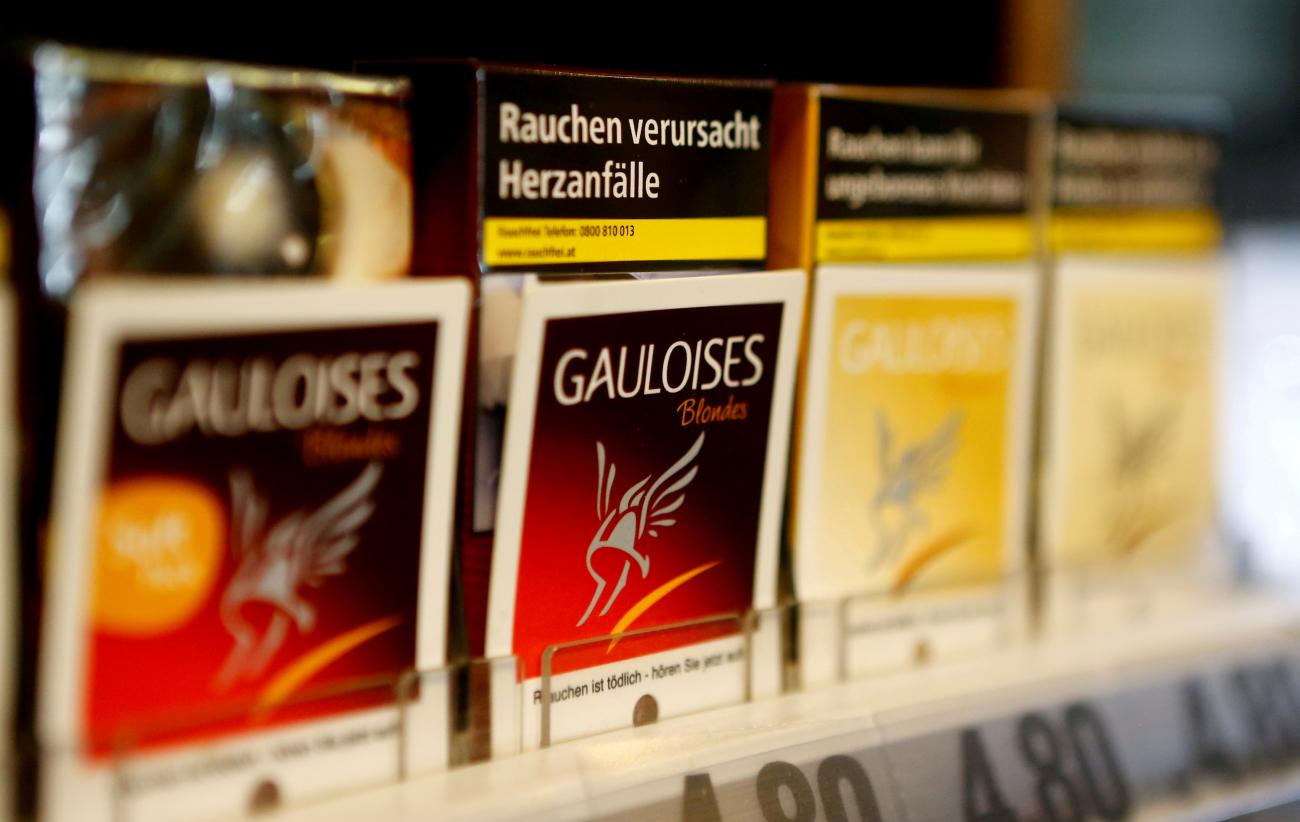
{"points": [[1130, 391], [915, 213], [634, 383], [242, 519]]}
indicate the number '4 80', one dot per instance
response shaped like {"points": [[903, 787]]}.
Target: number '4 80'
{"points": [[1094, 788]]}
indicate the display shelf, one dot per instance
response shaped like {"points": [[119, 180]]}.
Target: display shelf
{"points": [[1193, 718]]}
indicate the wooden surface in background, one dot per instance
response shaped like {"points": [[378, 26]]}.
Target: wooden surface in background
{"points": [[1036, 43]]}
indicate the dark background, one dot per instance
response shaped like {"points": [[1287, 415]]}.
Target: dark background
{"points": [[892, 47]]}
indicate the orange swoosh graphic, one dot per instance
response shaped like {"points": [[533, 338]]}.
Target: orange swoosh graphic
{"points": [[926, 554], [310, 663], [1139, 530], [645, 603]]}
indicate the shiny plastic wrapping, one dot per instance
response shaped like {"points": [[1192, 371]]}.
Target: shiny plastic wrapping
{"points": [[147, 165]]}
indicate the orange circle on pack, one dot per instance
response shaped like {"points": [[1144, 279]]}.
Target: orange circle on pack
{"points": [[159, 547]]}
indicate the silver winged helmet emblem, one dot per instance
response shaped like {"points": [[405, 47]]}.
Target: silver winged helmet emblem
{"points": [[639, 512], [895, 508], [303, 548], [1140, 444]]}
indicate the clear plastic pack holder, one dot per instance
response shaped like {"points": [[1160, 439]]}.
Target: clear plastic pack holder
{"points": [[191, 766], [879, 632], [1096, 597], [688, 666], [1118, 595], [464, 720], [416, 723]]}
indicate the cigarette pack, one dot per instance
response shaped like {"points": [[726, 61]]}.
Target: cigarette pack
{"points": [[242, 435], [915, 213], [1128, 506], [634, 368]]}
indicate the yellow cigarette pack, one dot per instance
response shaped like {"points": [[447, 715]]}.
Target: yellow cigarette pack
{"points": [[1129, 394], [918, 215]]}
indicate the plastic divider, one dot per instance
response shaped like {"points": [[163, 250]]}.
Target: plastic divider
{"points": [[698, 664], [881, 632], [1099, 598], [246, 757]]}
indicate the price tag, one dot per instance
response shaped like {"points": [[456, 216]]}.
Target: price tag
{"points": [[843, 777], [1093, 749], [1049, 761], [1209, 729], [1103, 753], [1241, 721]]}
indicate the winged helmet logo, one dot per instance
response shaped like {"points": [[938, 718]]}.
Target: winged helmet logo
{"points": [[895, 509], [302, 548], [1140, 444], [639, 513]]}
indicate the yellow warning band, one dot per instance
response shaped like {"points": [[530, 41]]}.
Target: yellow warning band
{"points": [[923, 238], [510, 241], [1195, 229]]}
